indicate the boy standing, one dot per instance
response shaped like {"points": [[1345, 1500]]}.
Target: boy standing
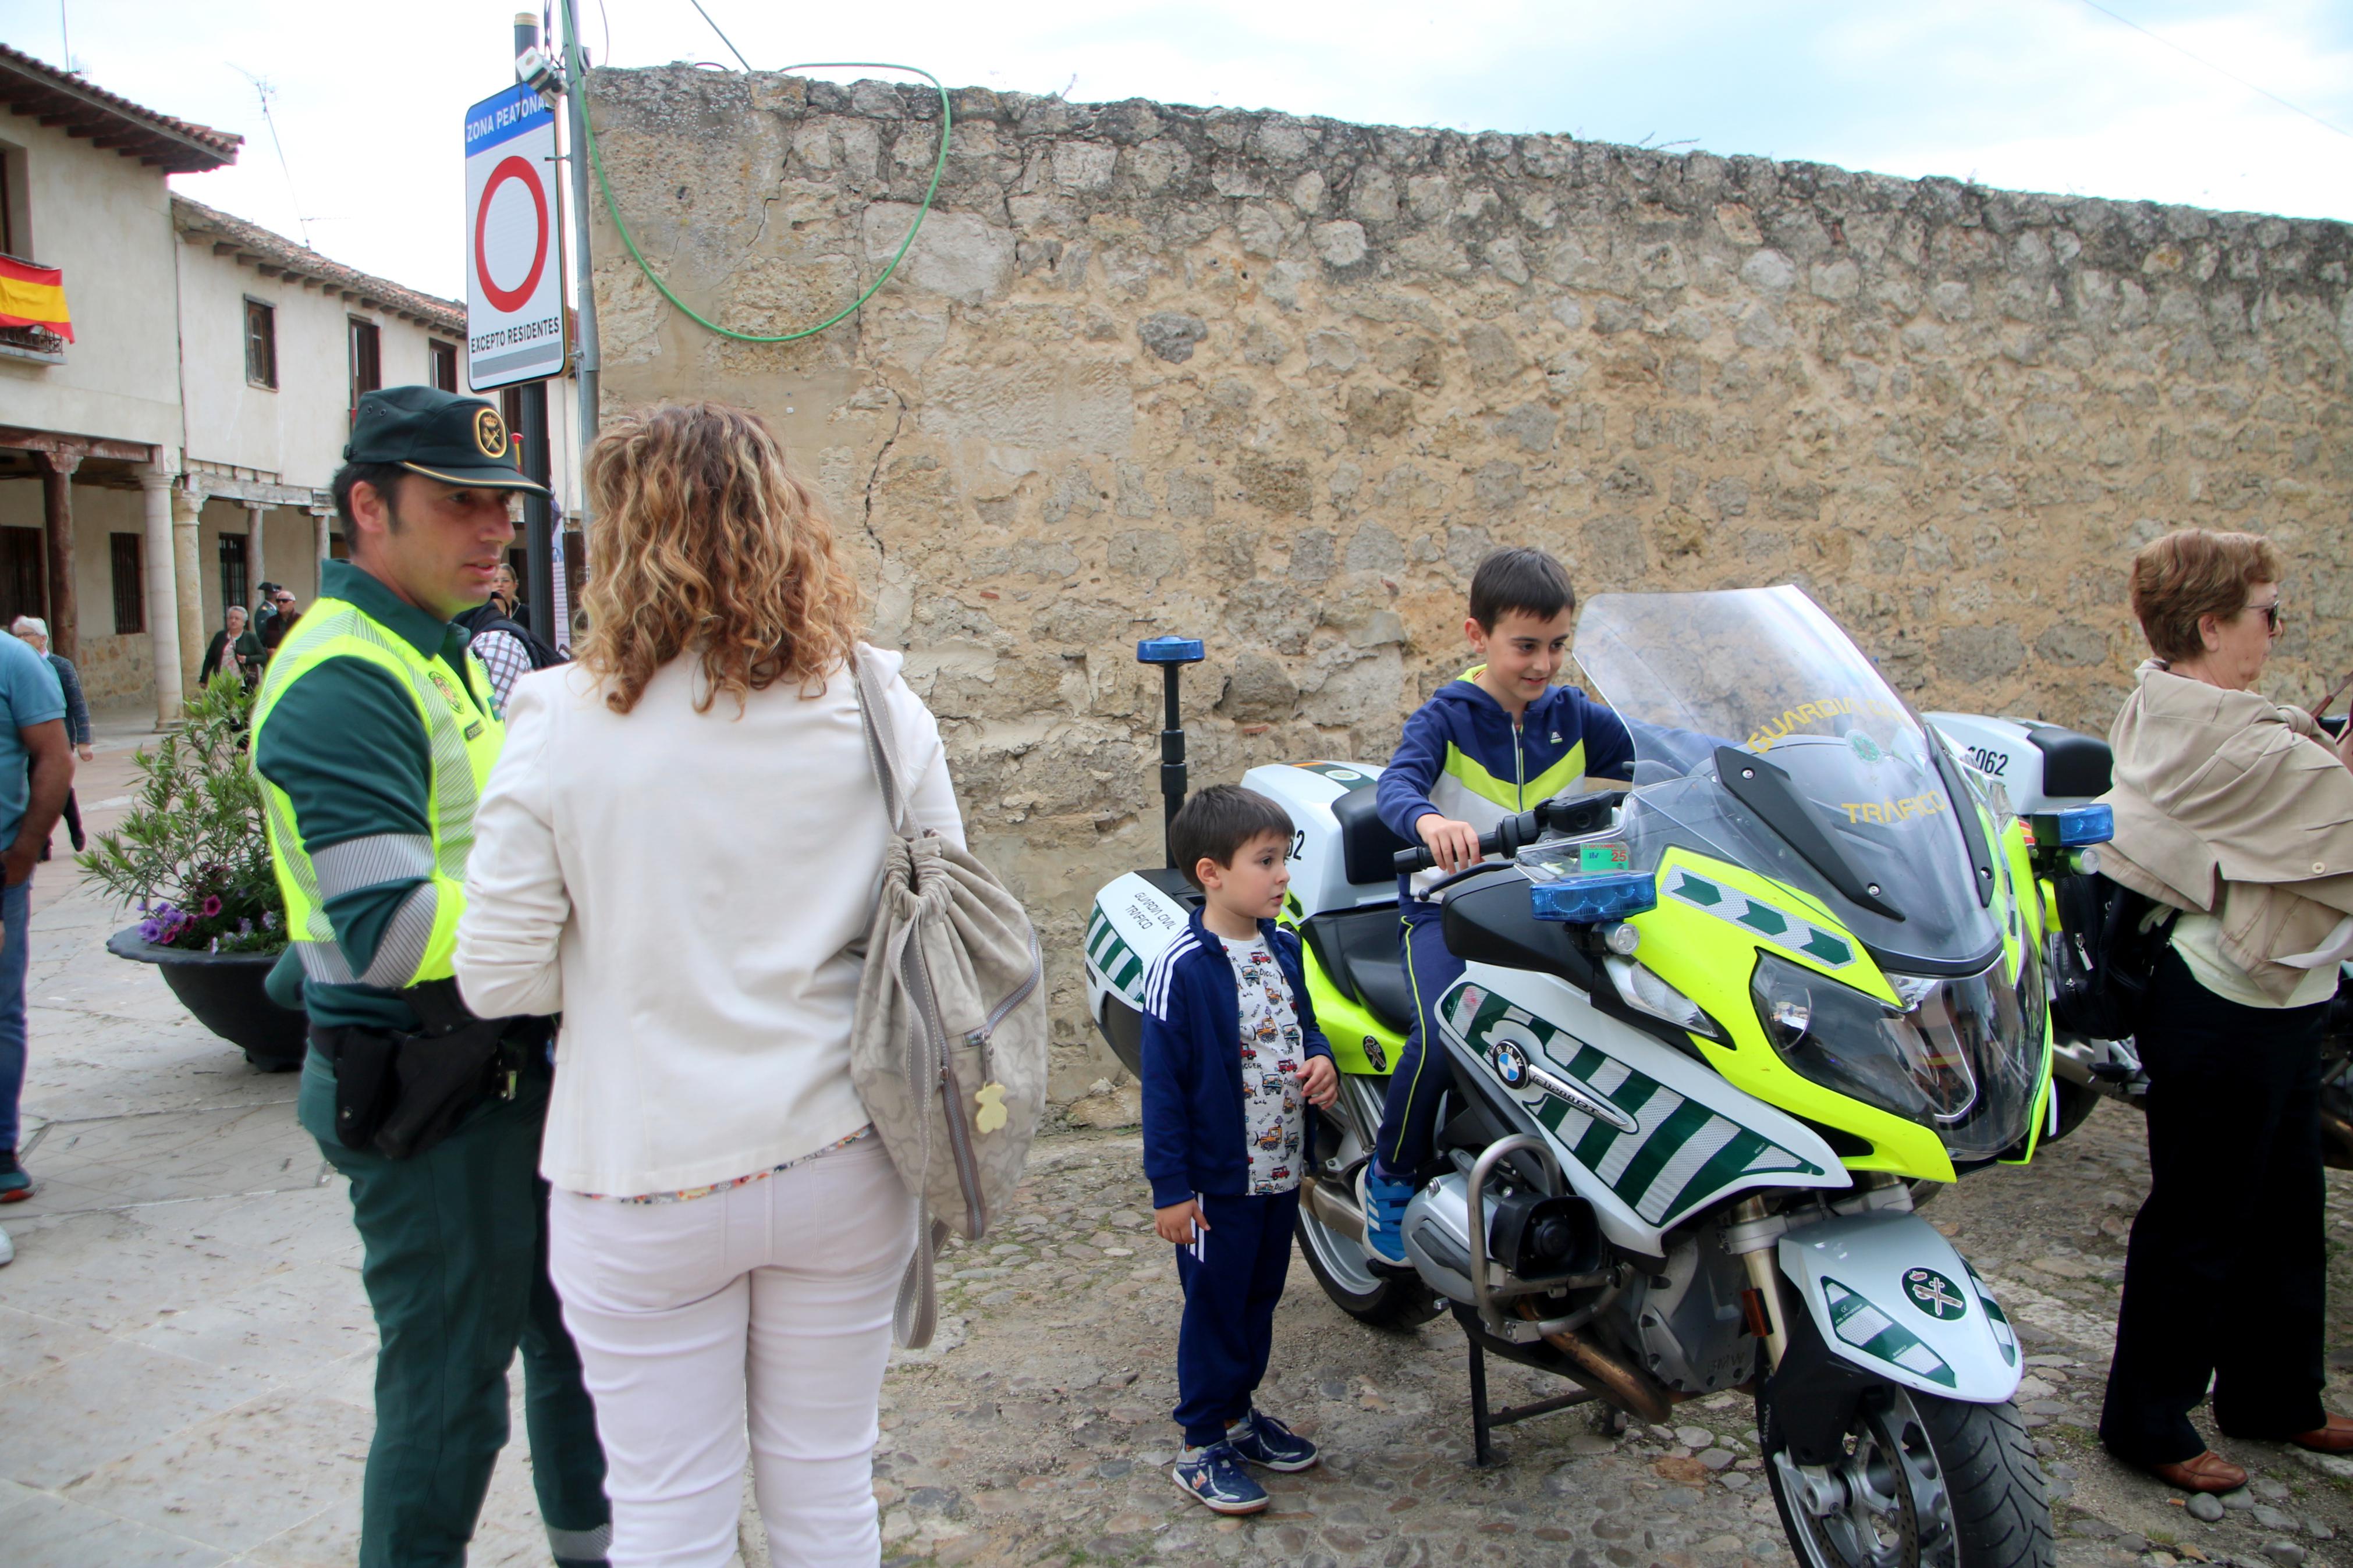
{"points": [[1491, 743], [1232, 1061]]}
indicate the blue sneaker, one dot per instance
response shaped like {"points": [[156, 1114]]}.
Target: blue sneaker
{"points": [[1262, 1441], [1384, 1199], [16, 1183], [1215, 1476]]}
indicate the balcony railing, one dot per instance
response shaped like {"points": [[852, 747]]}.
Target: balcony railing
{"points": [[37, 344]]}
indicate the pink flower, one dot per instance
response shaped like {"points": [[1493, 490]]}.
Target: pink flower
{"points": [[211, 906]]}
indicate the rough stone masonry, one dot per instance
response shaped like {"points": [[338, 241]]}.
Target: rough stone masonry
{"points": [[1278, 382]]}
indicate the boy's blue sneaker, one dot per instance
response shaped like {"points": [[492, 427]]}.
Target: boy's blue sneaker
{"points": [[16, 1183], [1216, 1477], [1384, 1199], [1262, 1441]]}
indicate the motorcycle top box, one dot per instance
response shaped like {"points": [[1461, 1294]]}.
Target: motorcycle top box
{"points": [[1711, 1032]]}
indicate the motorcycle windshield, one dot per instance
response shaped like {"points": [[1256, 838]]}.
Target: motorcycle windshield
{"points": [[1843, 800]]}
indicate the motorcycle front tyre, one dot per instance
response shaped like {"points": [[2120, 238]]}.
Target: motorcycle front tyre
{"points": [[1973, 1464]]}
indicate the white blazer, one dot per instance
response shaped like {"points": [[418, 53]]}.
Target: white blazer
{"points": [[686, 888]]}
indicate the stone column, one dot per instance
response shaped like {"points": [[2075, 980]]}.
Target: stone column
{"points": [[187, 508], [56, 521], [326, 517], [257, 567], [163, 596]]}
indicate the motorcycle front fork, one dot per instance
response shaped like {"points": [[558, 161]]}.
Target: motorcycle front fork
{"points": [[1751, 1231]]}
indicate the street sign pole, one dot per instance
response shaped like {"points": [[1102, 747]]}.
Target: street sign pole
{"points": [[538, 512], [584, 366]]}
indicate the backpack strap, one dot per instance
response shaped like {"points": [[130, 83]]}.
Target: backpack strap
{"points": [[882, 744], [914, 1315]]}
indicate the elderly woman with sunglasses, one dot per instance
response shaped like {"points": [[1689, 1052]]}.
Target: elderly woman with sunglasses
{"points": [[2237, 812]]}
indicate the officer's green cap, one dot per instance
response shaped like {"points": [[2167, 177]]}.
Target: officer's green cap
{"points": [[458, 440]]}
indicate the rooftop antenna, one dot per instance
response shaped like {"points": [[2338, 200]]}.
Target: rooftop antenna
{"points": [[265, 91]]}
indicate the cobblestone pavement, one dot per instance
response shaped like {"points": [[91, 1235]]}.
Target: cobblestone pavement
{"points": [[1040, 1434], [185, 1356]]}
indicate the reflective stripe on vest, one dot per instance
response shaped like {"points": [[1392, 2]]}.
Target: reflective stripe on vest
{"points": [[462, 739]]}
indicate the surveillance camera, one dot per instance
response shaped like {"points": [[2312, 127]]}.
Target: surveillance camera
{"points": [[539, 70]]}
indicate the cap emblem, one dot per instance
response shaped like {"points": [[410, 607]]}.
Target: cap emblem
{"points": [[489, 433]]}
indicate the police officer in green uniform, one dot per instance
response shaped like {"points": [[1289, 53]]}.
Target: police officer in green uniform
{"points": [[372, 734]]}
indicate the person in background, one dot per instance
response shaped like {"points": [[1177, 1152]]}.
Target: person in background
{"points": [[727, 1234], [264, 607], [37, 767], [235, 647], [34, 633], [2238, 812], [506, 646], [280, 626]]}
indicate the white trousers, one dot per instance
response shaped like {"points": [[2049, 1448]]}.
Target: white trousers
{"points": [[768, 1302]]}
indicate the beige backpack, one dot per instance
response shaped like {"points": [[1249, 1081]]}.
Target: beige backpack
{"points": [[949, 1049]]}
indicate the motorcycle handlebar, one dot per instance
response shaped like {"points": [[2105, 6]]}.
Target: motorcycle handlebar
{"points": [[1568, 813], [1507, 838]]}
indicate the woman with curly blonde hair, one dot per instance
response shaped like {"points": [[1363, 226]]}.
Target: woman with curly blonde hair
{"points": [[677, 849]]}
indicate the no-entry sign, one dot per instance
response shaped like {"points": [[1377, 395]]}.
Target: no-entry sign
{"points": [[514, 243]]}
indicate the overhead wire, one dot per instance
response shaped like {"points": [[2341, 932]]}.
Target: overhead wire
{"points": [[2210, 64], [628, 240]]}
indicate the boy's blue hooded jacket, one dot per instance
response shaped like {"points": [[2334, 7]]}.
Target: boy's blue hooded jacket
{"points": [[1193, 1137], [1464, 758]]}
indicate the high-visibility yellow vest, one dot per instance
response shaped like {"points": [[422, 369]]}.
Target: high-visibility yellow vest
{"points": [[463, 735]]}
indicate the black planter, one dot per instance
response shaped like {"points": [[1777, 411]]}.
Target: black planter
{"points": [[223, 990]]}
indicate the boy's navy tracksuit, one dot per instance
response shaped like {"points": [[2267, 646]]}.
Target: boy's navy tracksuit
{"points": [[1194, 1147], [1464, 758]]}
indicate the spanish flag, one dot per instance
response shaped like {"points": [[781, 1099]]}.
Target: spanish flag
{"points": [[34, 297]]}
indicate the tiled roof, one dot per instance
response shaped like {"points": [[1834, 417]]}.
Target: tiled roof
{"points": [[34, 86], [273, 253]]}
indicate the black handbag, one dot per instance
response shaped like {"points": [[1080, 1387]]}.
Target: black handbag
{"points": [[2103, 962]]}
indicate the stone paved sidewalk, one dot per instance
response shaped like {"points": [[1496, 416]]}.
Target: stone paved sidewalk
{"points": [[185, 1356]]}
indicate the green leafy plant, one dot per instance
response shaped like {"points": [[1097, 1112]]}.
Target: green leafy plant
{"points": [[193, 855]]}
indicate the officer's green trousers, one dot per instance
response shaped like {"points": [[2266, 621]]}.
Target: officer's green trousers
{"points": [[456, 1269]]}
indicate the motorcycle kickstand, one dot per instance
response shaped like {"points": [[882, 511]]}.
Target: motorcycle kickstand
{"points": [[1484, 1419]]}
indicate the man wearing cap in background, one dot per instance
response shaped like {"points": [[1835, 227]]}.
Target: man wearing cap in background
{"points": [[373, 733]]}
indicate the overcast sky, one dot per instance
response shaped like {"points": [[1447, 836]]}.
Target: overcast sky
{"points": [[2043, 95]]}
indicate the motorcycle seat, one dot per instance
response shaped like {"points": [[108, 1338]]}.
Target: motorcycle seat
{"points": [[1357, 951]]}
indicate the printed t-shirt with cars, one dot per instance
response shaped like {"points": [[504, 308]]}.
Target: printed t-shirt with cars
{"points": [[1274, 1055]]}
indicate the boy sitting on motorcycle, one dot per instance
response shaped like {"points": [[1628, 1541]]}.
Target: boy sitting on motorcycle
{"points": [[1231, 1061], [1493, 743]]}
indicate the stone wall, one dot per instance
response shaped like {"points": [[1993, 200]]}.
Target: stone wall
{"points": [[1278, 382]]}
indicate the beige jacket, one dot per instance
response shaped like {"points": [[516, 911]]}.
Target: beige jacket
{"points": [[2229, 805]]}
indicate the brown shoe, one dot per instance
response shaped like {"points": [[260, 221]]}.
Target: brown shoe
{"points": [[2334, 1435], [2209, 1472]]}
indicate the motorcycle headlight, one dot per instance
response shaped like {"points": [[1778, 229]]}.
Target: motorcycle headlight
{"points": [[1960, 1055]]}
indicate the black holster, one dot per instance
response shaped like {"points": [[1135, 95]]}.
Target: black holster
{"points": [[398, 1094]]}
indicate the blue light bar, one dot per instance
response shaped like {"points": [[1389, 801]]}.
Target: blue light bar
{"points": [[2081, 825], [1591, 900], [1170, 650]]}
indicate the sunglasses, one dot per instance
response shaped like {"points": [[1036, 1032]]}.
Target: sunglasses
{"points": [[2270, 615]]}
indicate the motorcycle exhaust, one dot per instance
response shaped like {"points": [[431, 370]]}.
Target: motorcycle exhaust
{"points": [[1623, 1385], [1334, 1212]]}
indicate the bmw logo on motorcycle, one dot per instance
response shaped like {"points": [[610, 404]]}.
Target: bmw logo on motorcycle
{"points": [[1511, 1064]]}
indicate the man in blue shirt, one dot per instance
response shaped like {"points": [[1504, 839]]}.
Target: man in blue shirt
{"points": [[35, 771]]}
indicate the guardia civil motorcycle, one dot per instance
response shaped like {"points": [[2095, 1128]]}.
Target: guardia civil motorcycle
{"points": [[1711, 1028]]}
